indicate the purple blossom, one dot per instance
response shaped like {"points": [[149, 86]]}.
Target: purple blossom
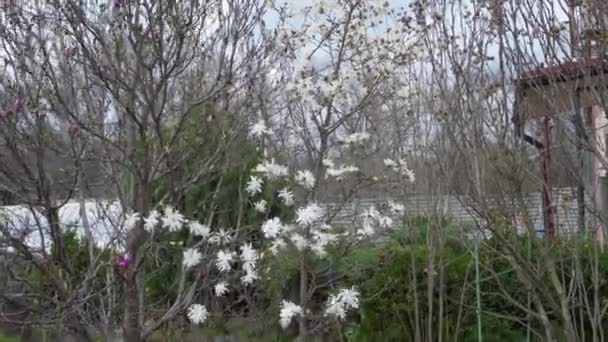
{"points": [[123, 261], [23, 233], [74, 129], [19, 104]]}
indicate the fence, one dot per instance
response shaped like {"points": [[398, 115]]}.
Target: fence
{"points": [[463, 208]]}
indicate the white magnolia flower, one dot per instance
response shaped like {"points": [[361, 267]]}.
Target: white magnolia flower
{"points": [[224, 260], [400, 167], [248, 254], [286, 196], [260, 206], [151, 221], [221, 288], [356, 138], [131, 220], [309, 214], [350, 298], [260, 129], [272, 170], [336, 309], [389, 162], [276, 245], [410, 175], [396, 208], [341, 171], [197, 313], [249, 277], [288, 311], [372, 212], [366, 230], [271, 228], [173, 219], [385, 221], [199, 229], [254, 185], [191, 257], [321, 240], [306, 179], [328, 163], [221, 237], [299, 241], [338, 304], [372, 215]]}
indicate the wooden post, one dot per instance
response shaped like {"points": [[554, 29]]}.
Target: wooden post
{"points": [[581, 175], [548, 209]]}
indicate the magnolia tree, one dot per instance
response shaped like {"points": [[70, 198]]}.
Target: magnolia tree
{"points": [[121, 85], [98, 102], [343, 62]]}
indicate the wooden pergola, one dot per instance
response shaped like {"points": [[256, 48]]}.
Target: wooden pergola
{"points": [[572, 87]]}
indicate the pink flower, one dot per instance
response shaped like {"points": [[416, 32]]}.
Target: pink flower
{"points": [[123, 261], [74, 129], [19, 104], [23, 233]]}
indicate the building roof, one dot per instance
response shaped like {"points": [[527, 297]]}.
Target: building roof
{"points": [[566, 71]]}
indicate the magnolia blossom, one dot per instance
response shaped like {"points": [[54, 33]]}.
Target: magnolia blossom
{"points": [[367, 229], [191, 257], [131, 220], [197, 313], [260, 206], [249, 257], [271, 228], [271, 170], [306, 179], [224, 260], [173, 219], [276, 245], [356, 138], [123, 261], [400, 167], [221, 288], [248, 254], [410, 175], [221, 237], [288, 311], [299, 241], [254, 185], [328, 163], [341, 171], [249, 277], [309, 214], [151, 221], [321, 240], [259, 129], [338, 304], [396, 208], [198, 229], [389, 162], [373, 218], [286, 197]]}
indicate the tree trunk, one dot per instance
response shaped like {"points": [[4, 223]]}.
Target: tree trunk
{"points": [[131, 328], [303, 331]]}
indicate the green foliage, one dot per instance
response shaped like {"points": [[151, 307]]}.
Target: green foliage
{"points": [[4, 338]]}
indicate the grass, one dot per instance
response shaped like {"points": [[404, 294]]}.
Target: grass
{"points": [[4, 338]]}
